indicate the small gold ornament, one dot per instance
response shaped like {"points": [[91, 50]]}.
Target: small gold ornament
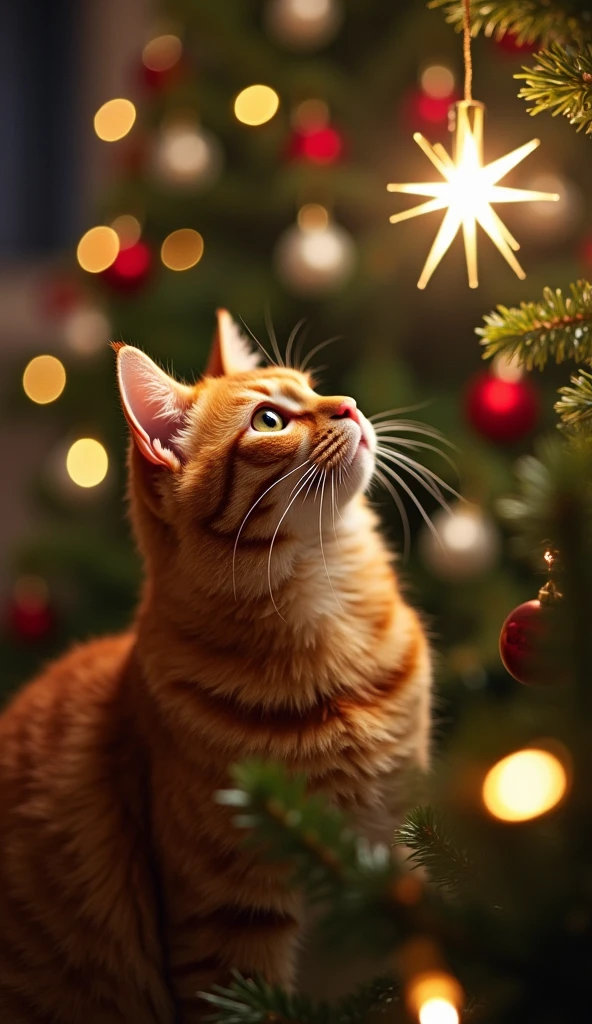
{"points": [[469, 187]]}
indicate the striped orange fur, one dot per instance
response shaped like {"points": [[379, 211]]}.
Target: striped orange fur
{"points": [[124, 887]]}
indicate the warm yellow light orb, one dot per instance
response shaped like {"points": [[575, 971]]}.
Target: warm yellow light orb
{"points": [[127, 228], [114, 119], [98, 249], [87, 462], [438, 1011], [256, 104], [182, 249], [44, 379], [312, 217], [524, 785], [437, 81], [162, 53]]}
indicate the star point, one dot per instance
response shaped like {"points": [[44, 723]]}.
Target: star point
{"points": [[466, 193]]}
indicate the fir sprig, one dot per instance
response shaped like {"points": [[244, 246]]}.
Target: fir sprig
{"points": [[561, 82], [428, 834], [530, 21], [557, 327], [575, 405], [254, 1001]]}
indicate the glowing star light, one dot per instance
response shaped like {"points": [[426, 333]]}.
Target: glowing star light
{"points": [[466, 193]]}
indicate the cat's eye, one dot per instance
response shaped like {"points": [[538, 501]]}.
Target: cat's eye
{"points": [[267, 421]]}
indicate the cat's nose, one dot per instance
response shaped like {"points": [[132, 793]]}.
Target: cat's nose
{"points": [[347, 410]]}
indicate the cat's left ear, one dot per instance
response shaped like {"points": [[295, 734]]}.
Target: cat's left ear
{"points": [[230, 352], [154, 404]]}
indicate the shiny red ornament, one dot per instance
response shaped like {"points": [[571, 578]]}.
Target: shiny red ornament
{"points": [[30, 619], [130, 269], [526, 642], [509, 44], [322, 145], [503, 411]]}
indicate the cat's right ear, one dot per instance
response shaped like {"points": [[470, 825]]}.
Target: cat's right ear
{"points": [[154, 404]]}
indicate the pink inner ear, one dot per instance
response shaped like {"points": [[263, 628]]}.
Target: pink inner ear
{"points": [[154, 405]]}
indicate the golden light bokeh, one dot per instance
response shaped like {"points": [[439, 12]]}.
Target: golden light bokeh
{"points": [[87, 462], [313, 217], [44, 379], [437, 81], [256, 104], [162, 52], [435, 997], [127, 228], [98, 249], [182, 249], [507, 367], [438, 1011], [524, 785], [114, 119]]}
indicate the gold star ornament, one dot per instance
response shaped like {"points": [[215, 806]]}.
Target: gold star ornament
{"points": [[467, 192]]}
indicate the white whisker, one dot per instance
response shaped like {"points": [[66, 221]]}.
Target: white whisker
{"points": [[253, 506], [272, 337], [402, 511], [310, 355], [291, 340], [401, 442], [406, 408], [303, 482], [405, 461], [395, 476], [257, 342], [321, 540]]}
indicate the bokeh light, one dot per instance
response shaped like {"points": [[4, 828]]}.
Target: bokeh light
{"points": [[438, 1011], [162, 52], [309, 114], [114, 119], [507, 367], [182, 249], [312, 217], [44, 379], [256, 104], [437, 81], [98, 249], [87, 462], [86, 330], [127, 228], [524, 785]]}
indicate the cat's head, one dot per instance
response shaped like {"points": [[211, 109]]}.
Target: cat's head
{"points": [[246, 451]]}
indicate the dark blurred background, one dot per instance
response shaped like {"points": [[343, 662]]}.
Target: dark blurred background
{"points": [[292, 217]]}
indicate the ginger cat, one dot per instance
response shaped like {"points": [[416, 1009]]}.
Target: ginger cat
{"points": [[124, 887]]}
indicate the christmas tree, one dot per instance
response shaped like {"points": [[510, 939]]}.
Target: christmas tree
{"points": [[250, 173]]}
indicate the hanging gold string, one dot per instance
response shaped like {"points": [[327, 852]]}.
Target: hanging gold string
{"points": [[467, 51]]}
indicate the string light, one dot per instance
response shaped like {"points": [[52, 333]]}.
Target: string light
{"points": [[182, 249], [44, 379], [524, 785], [469, 187], [114, 119], [437, 81], [162, 52], [256, 104], [312, 217], [127, 228], [434, 997], [98, 249], [87, 462]]}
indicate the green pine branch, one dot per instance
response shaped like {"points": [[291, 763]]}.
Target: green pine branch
{"points": [[531, 21], [254, 1001], [575, 406], [561, 81], [428, 835], [557, 327]]}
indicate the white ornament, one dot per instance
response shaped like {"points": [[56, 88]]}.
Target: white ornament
{"points": [[468, 544], [315, 256], [186, 156], [304, 24]]}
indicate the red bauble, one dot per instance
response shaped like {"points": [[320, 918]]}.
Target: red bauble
{"points": [[526, 642], [503, 411], [508, 44], [130, 269], [30, 617], [428, 112], [322, 145]]}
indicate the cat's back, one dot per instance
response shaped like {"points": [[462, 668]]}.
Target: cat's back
{"points": [[78, 938]]}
